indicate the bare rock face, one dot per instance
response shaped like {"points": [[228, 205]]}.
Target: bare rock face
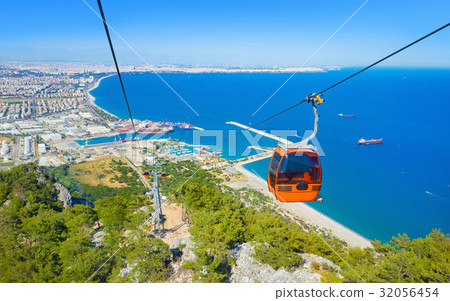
{"points": [[64, 195], [6, 203], [126, 269], [97, 238], [180, 275], [248, 270]]}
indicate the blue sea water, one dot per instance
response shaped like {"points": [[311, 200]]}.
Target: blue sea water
{"points": [[376, 190]]}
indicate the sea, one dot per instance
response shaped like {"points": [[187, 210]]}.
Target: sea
{"points": [[399, 186]]}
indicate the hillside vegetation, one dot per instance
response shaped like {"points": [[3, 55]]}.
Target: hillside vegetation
{"points": [[40, 241], [221, 221], [92, 181]]}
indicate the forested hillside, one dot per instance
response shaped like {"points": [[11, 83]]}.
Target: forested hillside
{"points": [[40, 241]]}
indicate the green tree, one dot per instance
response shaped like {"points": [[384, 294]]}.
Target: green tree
{"points": [[112, 211], [148, 259]]}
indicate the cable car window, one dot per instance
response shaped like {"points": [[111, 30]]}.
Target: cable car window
{"points": [[273, 168], [315, 175], [295, 162], [295, 168], [275, 161]]}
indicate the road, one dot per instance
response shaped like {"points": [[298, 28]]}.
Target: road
{"points": [[142, 178]]}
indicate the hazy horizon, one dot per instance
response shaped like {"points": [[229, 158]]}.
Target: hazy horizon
{"points": [[261, 33]]}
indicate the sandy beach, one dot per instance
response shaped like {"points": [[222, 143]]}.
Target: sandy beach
{"points": [[91, 99], [301, 210], [305, 212]]}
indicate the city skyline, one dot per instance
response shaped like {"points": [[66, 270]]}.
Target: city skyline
{"points": [[263, 33]]}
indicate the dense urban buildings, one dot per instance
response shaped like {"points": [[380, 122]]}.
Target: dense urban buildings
{"points": [[47, 115]]}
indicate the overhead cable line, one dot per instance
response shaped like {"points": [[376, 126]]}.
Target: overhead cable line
{"points": [[117, 66], [386, 57], [279, 113], [315, 52], [354, 74]]}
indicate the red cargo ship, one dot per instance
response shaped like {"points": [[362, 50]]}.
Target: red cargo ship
{"points": [[371, 141]]}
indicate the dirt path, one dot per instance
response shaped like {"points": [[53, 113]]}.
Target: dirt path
{"points": [[174, 226]]}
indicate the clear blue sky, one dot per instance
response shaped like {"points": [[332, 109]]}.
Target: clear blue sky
{"points": [[250, 32]]}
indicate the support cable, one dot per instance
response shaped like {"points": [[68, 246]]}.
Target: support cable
{"points": [[354, 74], [117, 66], [386, 57]]}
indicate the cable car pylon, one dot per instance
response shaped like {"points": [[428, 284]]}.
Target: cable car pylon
{"points": [[156, 200]]}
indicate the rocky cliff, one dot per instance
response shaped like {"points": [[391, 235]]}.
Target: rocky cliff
{"points": [[64, 195], [247, 269]]}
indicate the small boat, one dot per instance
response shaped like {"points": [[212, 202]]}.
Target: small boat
{"points": [[343, 115], [362, 141]]}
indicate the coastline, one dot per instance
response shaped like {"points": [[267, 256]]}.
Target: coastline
{"points": [[301, 210], [91, 99], [305, 212], [383, 231]]}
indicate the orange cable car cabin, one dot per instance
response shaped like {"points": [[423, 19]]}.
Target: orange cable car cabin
{"points": [[146, 173], [295, 174]]}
